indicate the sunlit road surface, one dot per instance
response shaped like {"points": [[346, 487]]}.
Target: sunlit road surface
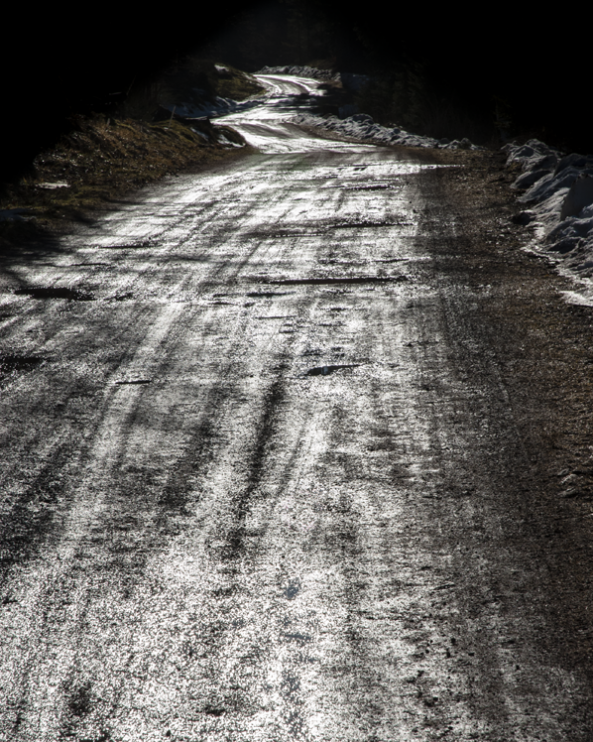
{"points": [[260, 472]]}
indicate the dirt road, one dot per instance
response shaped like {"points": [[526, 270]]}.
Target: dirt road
{"points": [[296, 449]]}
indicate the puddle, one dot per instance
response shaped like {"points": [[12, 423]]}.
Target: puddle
{"points": [[337, 279], [55, 293], [292, 590], [326, 370], [298, 637], [84, 265], [128, 246], [276, 316], [11, 363], [283, 233], [349, 262], [370, 188], [368, 224], [266, 294]]}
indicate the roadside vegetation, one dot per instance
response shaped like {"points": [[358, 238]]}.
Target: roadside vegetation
{"points": [[103, 157]]}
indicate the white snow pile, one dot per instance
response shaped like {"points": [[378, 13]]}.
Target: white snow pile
{"points": [[362, 126], [301, 71], [558, 190]]}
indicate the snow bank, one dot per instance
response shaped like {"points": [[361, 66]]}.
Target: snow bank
{"points": [[304, 71], [362, 126], [558, 191]]}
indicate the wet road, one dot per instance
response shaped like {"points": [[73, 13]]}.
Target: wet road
{"points": [[263, 477]]}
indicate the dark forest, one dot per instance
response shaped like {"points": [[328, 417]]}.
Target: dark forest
{"points": [[509, 69]]}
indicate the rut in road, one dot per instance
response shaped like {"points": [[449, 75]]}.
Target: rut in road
{"points": [[269, 480]]}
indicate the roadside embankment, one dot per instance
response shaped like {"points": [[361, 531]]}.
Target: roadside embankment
{"points": [[100, 160]]}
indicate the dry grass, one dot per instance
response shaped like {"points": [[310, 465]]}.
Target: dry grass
{"points": [[101, 160]]}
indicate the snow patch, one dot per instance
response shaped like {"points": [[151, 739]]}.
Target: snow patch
{"points": [[559, 191], [573, 297], [362, 126], [52, 186], [301, 71]]}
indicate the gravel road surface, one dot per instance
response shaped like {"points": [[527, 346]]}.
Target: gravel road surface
{"points": [[296, 449]]}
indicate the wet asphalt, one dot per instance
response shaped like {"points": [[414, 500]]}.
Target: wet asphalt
{"points": [[279, 459]]}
